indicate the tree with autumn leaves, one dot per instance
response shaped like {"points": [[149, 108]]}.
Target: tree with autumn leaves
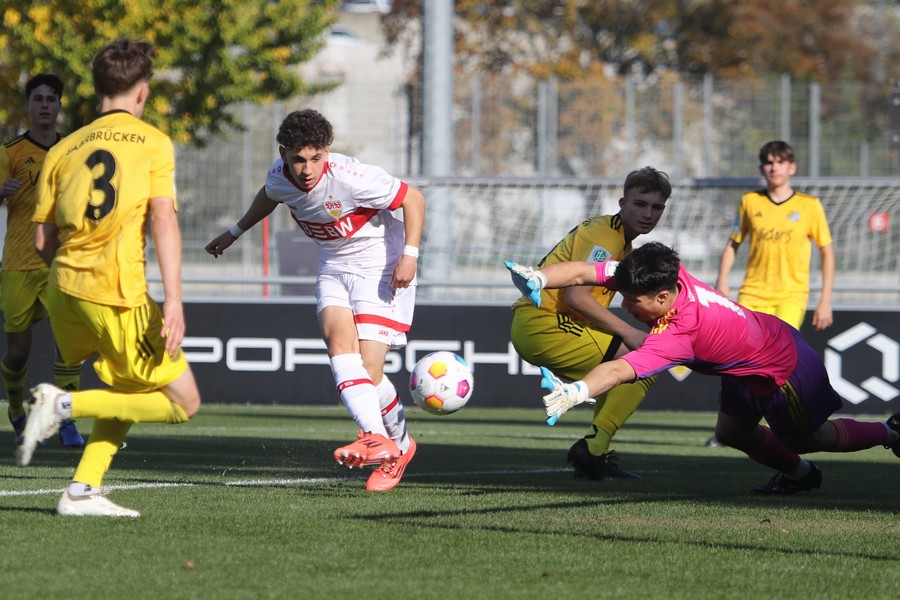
{"points": [[851, 47], [209, 55], [816, 40]]}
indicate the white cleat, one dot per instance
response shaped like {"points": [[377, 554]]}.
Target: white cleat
{"points": [[95, 505], [43, 421]]}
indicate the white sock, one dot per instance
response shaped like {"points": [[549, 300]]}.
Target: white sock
{"points": [[64, 405], [79, 490], [392, 413], [358, 392]]}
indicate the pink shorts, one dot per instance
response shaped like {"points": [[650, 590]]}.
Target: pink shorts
{"points": [[382, 313]]}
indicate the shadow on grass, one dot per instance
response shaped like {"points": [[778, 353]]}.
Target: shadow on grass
{"points": [[719, 476]]}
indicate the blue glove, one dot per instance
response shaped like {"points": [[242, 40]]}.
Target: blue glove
{"points": [[529, 281]]}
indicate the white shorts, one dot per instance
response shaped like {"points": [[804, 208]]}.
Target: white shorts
{"points": [[382, 313]]}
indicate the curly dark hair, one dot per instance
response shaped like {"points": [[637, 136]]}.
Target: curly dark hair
{"points": [[648, 270], [305, 129]]}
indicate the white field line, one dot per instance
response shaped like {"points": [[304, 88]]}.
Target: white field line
{"points": [[277, 482]]}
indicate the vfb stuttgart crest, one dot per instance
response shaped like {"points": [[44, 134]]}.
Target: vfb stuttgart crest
{"points": [[333, 207]]}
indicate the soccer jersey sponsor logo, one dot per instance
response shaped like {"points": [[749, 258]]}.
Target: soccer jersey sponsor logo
{"points": [[773, 235], [342, 228]]}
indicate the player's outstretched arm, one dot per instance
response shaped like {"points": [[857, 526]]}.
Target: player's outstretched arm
{"points": [[531, 281], [261, 208]]}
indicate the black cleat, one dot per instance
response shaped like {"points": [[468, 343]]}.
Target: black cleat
{"points": [[713, 442], [780, 485], [597, 468], [894, 423]]}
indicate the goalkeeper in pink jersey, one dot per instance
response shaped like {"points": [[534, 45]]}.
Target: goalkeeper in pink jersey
{"points": [[767, 368], [366, 284]]}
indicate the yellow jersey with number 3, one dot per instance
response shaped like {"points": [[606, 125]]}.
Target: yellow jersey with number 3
{"points": [[21, 158], [95, 186], [780, 244]]}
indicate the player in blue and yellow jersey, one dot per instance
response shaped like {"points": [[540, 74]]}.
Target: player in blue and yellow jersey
{"points": [[573, 330], [98, 189], [23, 278]]}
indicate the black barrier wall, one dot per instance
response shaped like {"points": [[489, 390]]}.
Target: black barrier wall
{"points": [[263, 353]]}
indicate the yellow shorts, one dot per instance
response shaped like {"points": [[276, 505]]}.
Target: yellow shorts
{"points": [[791, 313], [22, 298], [567, 347], [131, 353]]}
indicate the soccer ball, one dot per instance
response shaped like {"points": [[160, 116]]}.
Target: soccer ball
{"points": [[441, 383]]}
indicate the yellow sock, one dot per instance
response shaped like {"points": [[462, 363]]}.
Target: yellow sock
{"points": [[106, 439], [143, 407], [619, 404], [14, 381], [67, 378]]}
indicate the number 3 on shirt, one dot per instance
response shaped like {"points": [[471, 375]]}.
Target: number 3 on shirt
{"points": [[102, 184]]}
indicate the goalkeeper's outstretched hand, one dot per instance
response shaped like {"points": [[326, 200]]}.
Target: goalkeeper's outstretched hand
{"points": [[562, 396], [529, 281]]}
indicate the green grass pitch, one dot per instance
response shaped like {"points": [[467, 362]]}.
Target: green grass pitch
{"points": [[246, 502]]}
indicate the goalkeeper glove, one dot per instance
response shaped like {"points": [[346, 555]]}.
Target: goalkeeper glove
{"points": [[562, 396], [529, 281]]}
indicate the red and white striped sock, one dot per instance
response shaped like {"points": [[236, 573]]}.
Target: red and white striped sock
{"points": [[392, 413], [358, 392]]}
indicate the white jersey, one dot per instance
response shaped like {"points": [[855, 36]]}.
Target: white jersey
{"points": [[347, 212]]}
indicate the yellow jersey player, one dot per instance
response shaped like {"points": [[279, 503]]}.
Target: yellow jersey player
{"points": [[573, 330], [781, 223], [99, 188], [23, 277]]}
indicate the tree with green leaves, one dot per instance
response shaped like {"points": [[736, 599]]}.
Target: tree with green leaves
{"points": [[210, 54]]}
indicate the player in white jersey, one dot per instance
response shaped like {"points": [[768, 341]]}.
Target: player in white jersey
{"points": [[365, 289]]}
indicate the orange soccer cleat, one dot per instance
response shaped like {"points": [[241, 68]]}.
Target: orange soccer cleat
{"points": [[389, 474], [368, 449]]}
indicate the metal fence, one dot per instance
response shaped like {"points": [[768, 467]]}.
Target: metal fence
{"points": [[535, 157], [472, 224]]}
